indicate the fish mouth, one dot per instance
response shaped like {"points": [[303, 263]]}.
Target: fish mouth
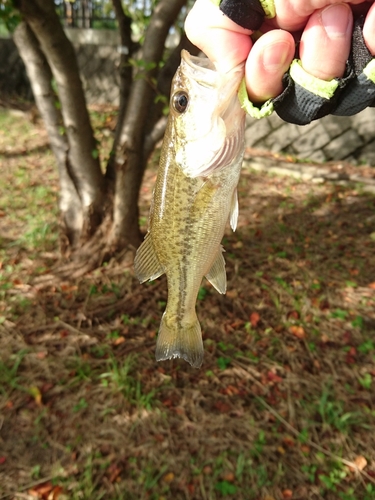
{"points": [[225, 128]]}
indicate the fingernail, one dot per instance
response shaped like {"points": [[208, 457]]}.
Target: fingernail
{"points": [[336, 20], [274, 56]]}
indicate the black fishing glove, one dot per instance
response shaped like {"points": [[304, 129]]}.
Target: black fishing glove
{"points": [[306, 98]]}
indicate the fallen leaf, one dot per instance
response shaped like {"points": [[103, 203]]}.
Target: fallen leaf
{"points": [[191, 488], [55, 493], [222, 407], [360, 462], [287, 494], [42, 354], [324, 338], [168, 478], [288, 441], [36, 394], [272, 377], [372, 285], [119, 341], [2, 460], [305, 449], [254, 319], [297, 331], [293, 315], [114, 473], [229, 476], [41, 490]]}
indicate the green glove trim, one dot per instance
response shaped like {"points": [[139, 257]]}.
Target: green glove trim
{"points": [[216, 2], [269, 8], [315, 85], [265, 110], [369, 70]]}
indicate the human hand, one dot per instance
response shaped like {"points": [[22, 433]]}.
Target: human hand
{"points": [[323, 49]]}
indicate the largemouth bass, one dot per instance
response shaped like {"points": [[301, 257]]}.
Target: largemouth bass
{"points": [[194, 197]]}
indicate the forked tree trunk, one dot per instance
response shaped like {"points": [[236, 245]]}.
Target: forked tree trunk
{"points": [[83, 160], [43, 44]]}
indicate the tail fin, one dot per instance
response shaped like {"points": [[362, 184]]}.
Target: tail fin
{"points": [[184, 343]]}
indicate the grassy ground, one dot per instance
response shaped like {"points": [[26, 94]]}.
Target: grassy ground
{"points": [[284, 405]]}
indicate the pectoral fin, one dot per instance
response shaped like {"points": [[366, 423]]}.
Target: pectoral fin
{"points": [[146, 262], [217, 275], [234, 211]]}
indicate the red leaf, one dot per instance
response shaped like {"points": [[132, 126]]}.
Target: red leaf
{"points": [[272, 377], [254, 319], [222, 407], [297, 331]]}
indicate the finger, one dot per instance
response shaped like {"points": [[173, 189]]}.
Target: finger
{"points": [[325, 42], [268, 60], [293, 15], [369, 30], [224, 42]]}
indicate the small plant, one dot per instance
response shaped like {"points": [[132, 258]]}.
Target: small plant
{"points": [[226, 488], [119, 376], [81, 405], [9, 378], [223, 363], [366, 381]]}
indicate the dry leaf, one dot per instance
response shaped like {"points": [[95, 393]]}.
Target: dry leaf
{"points": [[36, 394], [297, 331], [254, 319], [119, 341], [360, 462], [229, 476], [287, 494], [168, 478]]}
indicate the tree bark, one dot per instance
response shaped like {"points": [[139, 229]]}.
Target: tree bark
{"points": [[88, 179], [40, 77], [126, 73], [130, 161]]}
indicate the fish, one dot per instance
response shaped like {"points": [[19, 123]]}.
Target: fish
{"points": [[194, 197]]}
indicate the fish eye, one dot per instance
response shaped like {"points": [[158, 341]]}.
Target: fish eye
{"points": [[180, 101]]}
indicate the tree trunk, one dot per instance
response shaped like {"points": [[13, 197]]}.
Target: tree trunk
{"points": [[126, 74], [88, 179], [40, 79], [130, 161]]}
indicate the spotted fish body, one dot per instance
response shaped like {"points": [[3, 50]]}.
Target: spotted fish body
{"points": [[194, 197]]}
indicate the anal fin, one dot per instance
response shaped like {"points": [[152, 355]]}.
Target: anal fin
{"points": [[217, 275], [146, 262]]}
